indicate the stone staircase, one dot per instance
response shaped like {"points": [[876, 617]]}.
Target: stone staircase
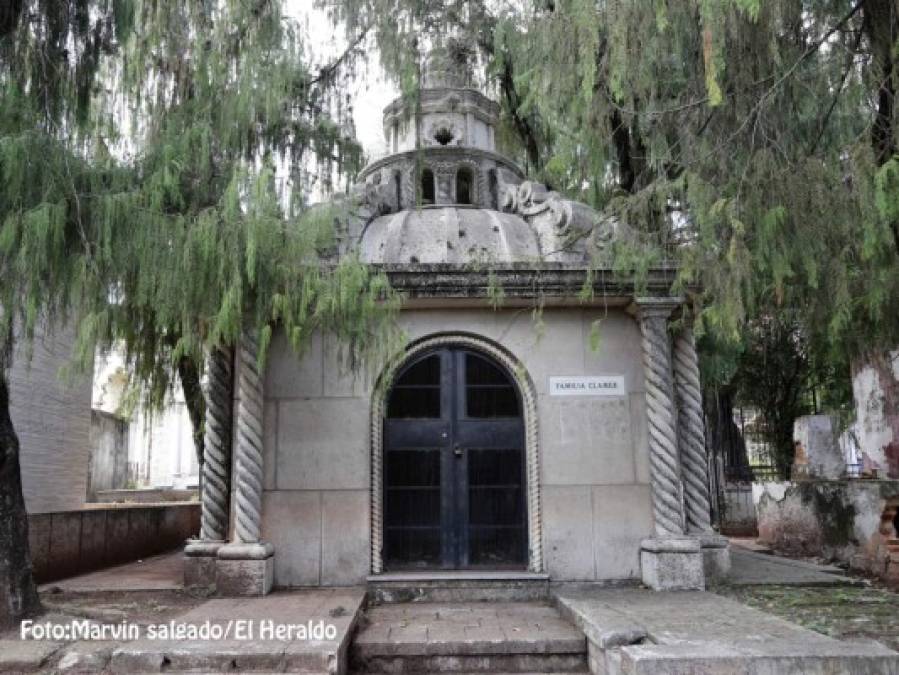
{"points": [[467, 637]]}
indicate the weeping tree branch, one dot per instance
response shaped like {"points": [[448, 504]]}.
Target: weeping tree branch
{"points": [[822, 126], [326, 72]]}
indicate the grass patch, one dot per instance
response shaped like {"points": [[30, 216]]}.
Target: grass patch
{"points": [[842, 612]]}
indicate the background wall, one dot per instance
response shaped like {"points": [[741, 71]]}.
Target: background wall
{"points": [[594, 451], [75, 542], [53, 421]]}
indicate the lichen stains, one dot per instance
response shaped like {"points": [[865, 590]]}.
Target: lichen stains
{"points": [[835, 513]]}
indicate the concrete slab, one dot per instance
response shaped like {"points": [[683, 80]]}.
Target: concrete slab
{"points": [[750, 543], [752, 568], [85, 657], [26, 656], [636, 631], [251, 638], [161, 572]]}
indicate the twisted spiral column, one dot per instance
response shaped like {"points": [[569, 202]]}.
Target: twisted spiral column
{"points": [[217, 446], [248, 511], [691, 433], [377, 469], [667, 498]]}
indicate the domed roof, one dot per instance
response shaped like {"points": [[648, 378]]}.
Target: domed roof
{"points": [[445, 196], [449, 234]]}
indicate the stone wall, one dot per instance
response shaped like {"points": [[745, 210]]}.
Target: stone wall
{"points": [[594, 472], [109, 453], [67, 543], [840, 520], [53, 421], [738, 518], [875, 388]]}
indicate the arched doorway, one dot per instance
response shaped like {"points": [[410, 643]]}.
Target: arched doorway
{"points": [[454, 475]]}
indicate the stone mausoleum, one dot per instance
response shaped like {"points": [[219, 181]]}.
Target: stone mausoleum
{"points": [[492, 448]]}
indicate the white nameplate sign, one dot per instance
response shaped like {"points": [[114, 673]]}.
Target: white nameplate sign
{"points": [[606, 385]]}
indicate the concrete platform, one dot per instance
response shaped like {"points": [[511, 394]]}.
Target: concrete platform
{"points": [[26, 656], [640, 632], [256, 651], [468, 637], [253, 639], [753, 568], [159, 573]]}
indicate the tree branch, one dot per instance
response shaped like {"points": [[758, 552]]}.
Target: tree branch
{"points": [[833, 103]]}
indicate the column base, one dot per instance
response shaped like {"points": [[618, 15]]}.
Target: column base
{"points": [[245, 569], [200, 557], [715, 555], [672, 563]]}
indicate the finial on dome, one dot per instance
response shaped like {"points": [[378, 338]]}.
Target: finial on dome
{"points": [[448, 64]]}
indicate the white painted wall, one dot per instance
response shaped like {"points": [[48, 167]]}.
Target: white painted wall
{"points": [[160, 444]]}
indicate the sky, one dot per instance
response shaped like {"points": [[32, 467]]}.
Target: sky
{"points": [[371, 91]]}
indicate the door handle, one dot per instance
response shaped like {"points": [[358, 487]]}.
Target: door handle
{"points": [[457, 451]]}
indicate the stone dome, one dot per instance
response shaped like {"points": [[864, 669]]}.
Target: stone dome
{"points": [[464, 235], [449, 234], [445, 196]]}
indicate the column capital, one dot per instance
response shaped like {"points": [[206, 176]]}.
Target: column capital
{"points": [[654, 307]]}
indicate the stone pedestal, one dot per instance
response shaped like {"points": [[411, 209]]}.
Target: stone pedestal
{"points": [[672, 563], [245, 569], [816, 438], [200, 559], [715, 555]]}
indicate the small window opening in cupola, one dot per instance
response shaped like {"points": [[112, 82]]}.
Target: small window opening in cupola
{"points": [[443, 136], [427, 187], [464, 180]]}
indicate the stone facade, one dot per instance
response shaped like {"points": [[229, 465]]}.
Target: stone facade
{"points": [[594, 470]]}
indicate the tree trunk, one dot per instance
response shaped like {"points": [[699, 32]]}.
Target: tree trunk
{"points": [[189, 374], [192, 388], [880, 22], [18, 593]]}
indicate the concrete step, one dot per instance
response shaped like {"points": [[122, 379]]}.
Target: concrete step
{"points": [[456, 586], [496, 637]]}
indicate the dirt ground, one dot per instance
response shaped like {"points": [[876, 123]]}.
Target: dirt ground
{"points": [[843, 612]]}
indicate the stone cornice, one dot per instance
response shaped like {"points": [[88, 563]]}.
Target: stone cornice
{"points": [[525, 281], [472, 101], [433, 152]]}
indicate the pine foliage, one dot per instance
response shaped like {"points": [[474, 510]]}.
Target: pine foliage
{"points": [[751, 142], [155, 182]]}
